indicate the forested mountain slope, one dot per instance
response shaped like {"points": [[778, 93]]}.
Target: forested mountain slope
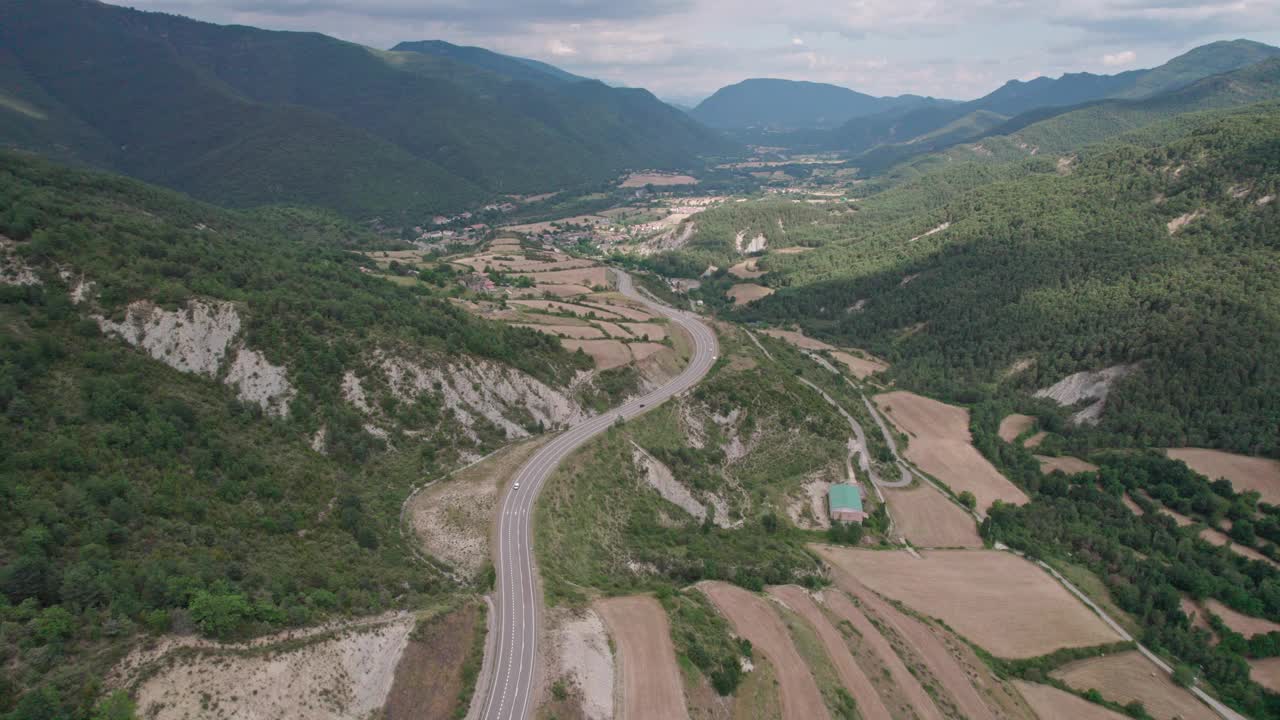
{"points": [[1017, 97], [244, 116], [209, 419], [1163, 258], [791, 104]]}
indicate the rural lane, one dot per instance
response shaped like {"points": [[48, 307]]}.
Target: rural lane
{"points": [[510, 694]]}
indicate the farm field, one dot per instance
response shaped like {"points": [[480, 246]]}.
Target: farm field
{"points": [[1217, 537], [651, 688], [1014, 425], [860, 364], [746, 270], [923, 516], [1266, 672], [932, 655], [753, 619], [744, 293], [997, 600], [1246, 625], [1244, 472], [1129, 676], [941, 446], [1065, 463], [854, 679], [641, 179], [1050, 703], [913, 698]]}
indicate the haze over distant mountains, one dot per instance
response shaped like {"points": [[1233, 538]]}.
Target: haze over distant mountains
{"points": [[243, 116], [792, 104], [857, 122]]}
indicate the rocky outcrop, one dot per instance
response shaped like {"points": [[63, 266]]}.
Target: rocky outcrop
{"points": [[13, 271], [193, 340], [480, 388], [258, 381], [1092, 387], [202, 339]]}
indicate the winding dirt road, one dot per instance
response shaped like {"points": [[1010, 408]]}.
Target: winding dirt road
{"points": [[510, 694]]}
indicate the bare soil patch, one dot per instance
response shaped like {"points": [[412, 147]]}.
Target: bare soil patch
{"points": [[346, 677], [560, 291], [614, 330], [1065, 463], [861, 367], [747, 270], [428, 679], [1050, 703], [1035, 440], [657, 180], [1244, 472], [555, 306], [852, 677], [651, 685], [645, 350], [647, 331], [588, 276], [606, 353], [1216, 537], [744, 293], [859, 362], [904, 694], [942, 446], [583, 661], [1129, 676], [1196, 613], [1246, 625], [633, 314], [928, 519], [795, 250], [998, 600], [753, 619], [452, 518], [1266, 673], [1014, 425], [578, 332], [931, 655]]}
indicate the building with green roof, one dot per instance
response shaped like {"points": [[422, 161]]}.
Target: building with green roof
{"points": [[844, 503]]}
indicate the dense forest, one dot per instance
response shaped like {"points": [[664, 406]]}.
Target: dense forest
{"points": [[138, 499]]}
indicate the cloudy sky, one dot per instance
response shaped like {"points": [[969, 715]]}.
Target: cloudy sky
{"points": [[685, 49]]}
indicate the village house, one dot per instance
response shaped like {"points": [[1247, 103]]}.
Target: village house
{"points": [[844, 503]]}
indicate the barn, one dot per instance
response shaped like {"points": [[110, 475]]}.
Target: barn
{"points": [[844, 503]]}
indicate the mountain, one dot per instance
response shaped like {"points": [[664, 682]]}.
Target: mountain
{"points": [[790, 104], [512, 68], [242, 116], [1016, 97]]}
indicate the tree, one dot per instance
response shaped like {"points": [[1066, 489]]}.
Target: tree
{"points": [[968, 500], [1184, 676], [219, 615]]}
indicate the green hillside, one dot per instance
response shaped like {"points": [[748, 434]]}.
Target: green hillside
{"points": [[243, 116], [1075, 267], [136, 498]]}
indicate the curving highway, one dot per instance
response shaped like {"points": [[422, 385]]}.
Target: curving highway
{"points": [[513, 675]]}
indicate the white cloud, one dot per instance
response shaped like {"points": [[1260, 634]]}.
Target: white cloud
{"points": [[1127, 57], [560, 49]]}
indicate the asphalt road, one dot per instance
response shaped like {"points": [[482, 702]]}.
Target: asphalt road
{"points": [[518, 598]]}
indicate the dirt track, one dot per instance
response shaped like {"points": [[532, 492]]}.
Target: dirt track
{"points": [[855, 681], [651, 685], [753, 619]]}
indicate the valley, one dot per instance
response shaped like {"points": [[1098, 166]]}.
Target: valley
{"points": [[436, 382]]}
